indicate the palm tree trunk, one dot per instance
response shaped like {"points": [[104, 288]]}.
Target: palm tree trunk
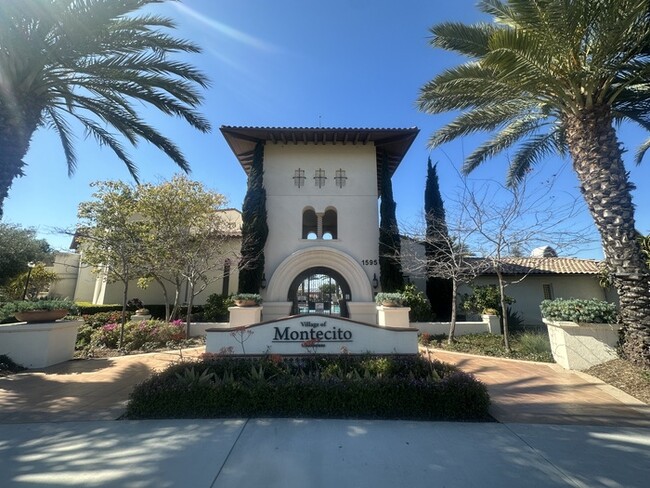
{"points": [[605, 186], [15, 135]]}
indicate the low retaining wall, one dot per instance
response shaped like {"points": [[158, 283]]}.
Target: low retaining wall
{"points": [[490, 324]]}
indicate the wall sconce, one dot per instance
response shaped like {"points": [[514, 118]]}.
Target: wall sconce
{"points": [[263, 282], [375, 283]]}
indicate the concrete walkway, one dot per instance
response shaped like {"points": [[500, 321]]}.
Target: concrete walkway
{"points": [[44, 442], [283, 453], [524, 391]]}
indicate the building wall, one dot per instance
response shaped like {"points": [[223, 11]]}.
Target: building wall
{"points": [[355, 203], [153, 295], [529, 293]]}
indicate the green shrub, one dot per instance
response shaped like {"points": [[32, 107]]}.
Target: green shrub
{"points": [[216, 308], [531, 344], [580, 311], [93, 322], [419, 303], [396, 298], [87, 308], [483, 298], [142, 335], [10, 308], [316, 386]]}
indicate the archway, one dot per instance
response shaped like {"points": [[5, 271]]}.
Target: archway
{"points": [[319, 290], [319, 256]]}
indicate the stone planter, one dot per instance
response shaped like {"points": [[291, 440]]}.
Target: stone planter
{"points": [[393, 316], [581, 346], [40, 316], [39, 345]]}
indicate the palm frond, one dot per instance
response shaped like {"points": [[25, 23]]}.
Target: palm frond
{"points": [[470, 40], [640, 153], [504, 139], [485, 118], [531, 152], [62, 128]]}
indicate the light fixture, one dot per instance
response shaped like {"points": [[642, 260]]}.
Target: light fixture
{"points": [[375, 283], [263, 282], [31, 265]]}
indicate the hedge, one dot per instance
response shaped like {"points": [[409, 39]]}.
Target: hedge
{"points": [[580, 311], [325, 387]]}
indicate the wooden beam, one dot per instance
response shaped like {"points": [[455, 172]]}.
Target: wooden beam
{"points": [[366, 139], [356, 139], [283, 136], [272, 137], [293, 138], [345, 137]]}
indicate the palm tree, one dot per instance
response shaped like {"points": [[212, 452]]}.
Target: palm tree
{"points": [[556, 76], [90, 63]]}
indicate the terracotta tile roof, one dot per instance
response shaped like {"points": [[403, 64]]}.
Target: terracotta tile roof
{"points": [[519, 266]]}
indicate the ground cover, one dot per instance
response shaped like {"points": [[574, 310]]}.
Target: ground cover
{"points": [[527, 346], [625, 376], [395, 387]]}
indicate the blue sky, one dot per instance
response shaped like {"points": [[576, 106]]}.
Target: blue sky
{"points": [[340, 63]]}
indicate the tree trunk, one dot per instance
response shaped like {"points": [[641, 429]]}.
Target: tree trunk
{"points": [[190, 304], [123, 321], [15, 135], [454, 300], [605, 186], [504, 311], [166, 298]]}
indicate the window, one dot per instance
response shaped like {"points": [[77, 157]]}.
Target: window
{"points": [[226, 277], [319, 225], [548, 292], [309, 224], [330, 224]]}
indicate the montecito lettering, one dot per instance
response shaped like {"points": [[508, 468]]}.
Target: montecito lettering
{"points": [[333, 335]]}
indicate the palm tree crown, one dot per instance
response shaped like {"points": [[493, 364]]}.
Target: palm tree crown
{"points": [[538, 64], [556, 76], [92, 61]]}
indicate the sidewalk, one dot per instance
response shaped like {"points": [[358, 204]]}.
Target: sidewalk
{"points": [[287, 453], [57, 430], [546, 393], [92, 389]]}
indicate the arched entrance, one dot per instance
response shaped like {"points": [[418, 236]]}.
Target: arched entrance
{"points": [[319, 290]]}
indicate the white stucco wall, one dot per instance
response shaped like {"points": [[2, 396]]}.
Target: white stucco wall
{"points": [[529, 293], [355, 203]]}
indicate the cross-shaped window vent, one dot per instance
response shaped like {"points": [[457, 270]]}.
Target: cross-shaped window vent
{"points": [[340, 178], [299, 178], [319, 178]]}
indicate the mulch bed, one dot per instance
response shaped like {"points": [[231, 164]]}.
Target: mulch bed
{"points": [[625, 376]]}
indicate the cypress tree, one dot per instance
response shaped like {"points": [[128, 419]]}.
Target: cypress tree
{"points": [[254, 227], [390, 266], [439, 290]]}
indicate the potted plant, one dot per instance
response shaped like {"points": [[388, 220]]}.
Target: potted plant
{"points": [[38, 311], [247, 299], [583, 333], [389, 299]]}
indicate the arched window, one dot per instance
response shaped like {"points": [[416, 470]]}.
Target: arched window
{"points": [[330, 224], [309, 224]]}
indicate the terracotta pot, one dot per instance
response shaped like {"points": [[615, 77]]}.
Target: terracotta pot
{"points": [[245, 303], [39, 316]]}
